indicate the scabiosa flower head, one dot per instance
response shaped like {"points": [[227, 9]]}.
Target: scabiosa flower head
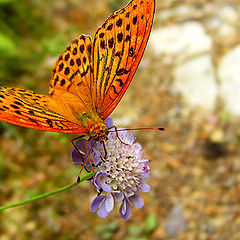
{"points": [[122, 172]]}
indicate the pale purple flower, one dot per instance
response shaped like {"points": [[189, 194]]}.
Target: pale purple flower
{"points": [[122, 173]]}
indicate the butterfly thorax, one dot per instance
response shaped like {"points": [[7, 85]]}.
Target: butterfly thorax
{"points": [[95, 126]]}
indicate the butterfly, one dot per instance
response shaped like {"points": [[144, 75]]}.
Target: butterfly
{"points": [[89, 79]]}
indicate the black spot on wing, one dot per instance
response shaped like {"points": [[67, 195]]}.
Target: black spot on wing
{"points": [[135, 20], [110, 43], [14, 106], [110, 27], [49, 122], [82, 48], [67, 56], [119, 22], [120, 37], [32, 120], [63, 82], [120, 81], [17, 112]]}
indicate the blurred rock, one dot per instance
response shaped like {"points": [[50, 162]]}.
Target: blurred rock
{"points": [[176, 222], [217, 135], [223, 26], [228, 30], [180, 42], [182, 13], [195, 80], [228, 73], [228, 14]]}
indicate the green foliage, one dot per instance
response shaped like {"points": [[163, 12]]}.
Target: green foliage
{"points": [[107, 231], [224, 117], [150, 224], [54, 46], [6, 1], [7, 45], [10, 129], [64, 139], [116, 4], [143, 231], [2, 166], [20, 36], [137, 238], [135, 230]]}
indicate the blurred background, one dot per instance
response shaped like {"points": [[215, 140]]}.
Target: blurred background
{"points": [[188, 82]]}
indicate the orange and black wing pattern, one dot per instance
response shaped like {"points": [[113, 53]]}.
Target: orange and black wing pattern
{"points": [[118, 47], [73, 71], [88, 76], [25, 108]]}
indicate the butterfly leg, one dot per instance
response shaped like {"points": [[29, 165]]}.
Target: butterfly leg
{"points": [[100, 191], [78, 179], [105, 151], [74, 145], [89, 155], [79, 151]]}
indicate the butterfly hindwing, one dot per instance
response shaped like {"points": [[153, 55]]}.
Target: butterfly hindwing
{"points": [[28, 109], [117, 50]]}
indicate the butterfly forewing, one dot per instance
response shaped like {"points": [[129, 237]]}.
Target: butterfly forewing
{"points": [[117, 50], [72, 72], [28, 109]]}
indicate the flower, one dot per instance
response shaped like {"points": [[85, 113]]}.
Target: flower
{"points": [[122, 172]]}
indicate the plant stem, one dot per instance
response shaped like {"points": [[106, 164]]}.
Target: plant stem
{"points": [[44, 195]]}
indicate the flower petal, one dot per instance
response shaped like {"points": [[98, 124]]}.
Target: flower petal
{"points": [[109, 203], [101, 179], [102, 211], [118, 196], [125, 210], [96, 182], [144, 187], [77, 160], [76, 157], [122, 133], [131, 138], [109, 122], [96, 202], [137, 201]]}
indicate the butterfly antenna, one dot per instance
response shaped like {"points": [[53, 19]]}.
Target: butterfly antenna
{"points": [[137, 129]]}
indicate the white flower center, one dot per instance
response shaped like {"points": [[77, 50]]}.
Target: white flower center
{"points": [[124, 164]]}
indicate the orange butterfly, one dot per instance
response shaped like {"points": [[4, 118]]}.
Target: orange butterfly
{"points": [[89, 79]]}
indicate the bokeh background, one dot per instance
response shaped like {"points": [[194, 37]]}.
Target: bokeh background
{"points": [[188, 82]]}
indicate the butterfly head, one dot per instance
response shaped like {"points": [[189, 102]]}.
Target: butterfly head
{"points": [[99, 132], [95, 126]]}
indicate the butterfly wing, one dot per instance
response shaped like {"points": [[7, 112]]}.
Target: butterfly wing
{"points": [[118, 47], [25, 108], [87, 76], [73, 71]]}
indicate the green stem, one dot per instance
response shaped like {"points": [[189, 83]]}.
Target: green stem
{"points": [[32, 199]]}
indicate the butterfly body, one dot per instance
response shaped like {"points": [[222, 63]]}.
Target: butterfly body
{"points": [[89, 79], [95, 126]]}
